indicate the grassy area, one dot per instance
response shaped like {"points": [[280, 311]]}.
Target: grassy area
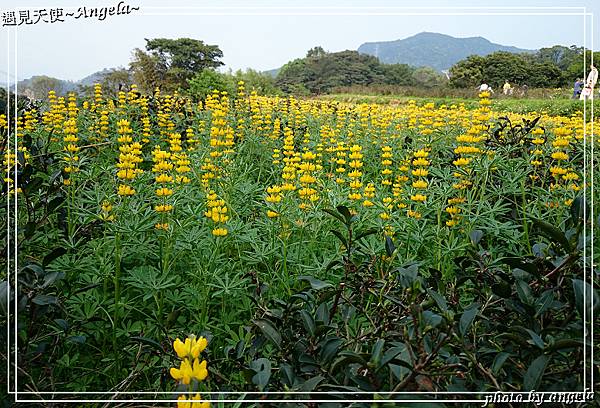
{"points": [[554, 107]]}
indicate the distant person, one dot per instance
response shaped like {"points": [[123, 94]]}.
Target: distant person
{"points": [[524, 90], [507, 89], [588, 89], [577, 88], [485, 88]]}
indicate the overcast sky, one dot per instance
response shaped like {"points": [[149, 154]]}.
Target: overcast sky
{"points": [[267, 34]]}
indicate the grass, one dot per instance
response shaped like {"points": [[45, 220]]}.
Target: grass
{"points": [[553, 107]]}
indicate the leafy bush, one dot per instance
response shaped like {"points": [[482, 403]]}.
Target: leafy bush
{"points": [[207, 81]]}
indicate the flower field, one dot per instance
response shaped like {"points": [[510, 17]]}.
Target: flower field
{"points": [[309, 245]]}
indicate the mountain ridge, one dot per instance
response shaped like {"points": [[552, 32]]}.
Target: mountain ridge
{"points": [[439, 51]]}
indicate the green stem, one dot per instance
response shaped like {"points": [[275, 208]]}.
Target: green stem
{"points": [[117, 284], [524, 214], [285, 270]]}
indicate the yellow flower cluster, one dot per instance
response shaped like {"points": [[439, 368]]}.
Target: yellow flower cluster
{"points": [[71, 157], [273, 198], [162, 176], [355, 163], [217, 213], [420, 164], [130, 155], [306, 169], [191, 370]]}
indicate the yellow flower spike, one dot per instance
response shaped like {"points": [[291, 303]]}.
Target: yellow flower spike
{"points": [[184, 373], [199, 371], [183, 402], [181, 348], [198, 346]]}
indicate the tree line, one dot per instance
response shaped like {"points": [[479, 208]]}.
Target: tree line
{"points": [[190, 66]]}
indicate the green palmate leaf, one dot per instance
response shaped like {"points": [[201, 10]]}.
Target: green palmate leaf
{"points": [[269, 331], [467, 318], [535, 372]]}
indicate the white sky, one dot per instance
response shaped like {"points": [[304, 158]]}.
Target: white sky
{"points": [[76, 48]]}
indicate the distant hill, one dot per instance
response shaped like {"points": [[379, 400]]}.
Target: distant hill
{"points": [[95, 78], [273, 72], [26, 86], [438, 51]]}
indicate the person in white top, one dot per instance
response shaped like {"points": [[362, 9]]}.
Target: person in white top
{"points": [[588, 90], [485, 87]]}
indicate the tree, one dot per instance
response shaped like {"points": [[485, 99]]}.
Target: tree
{"points": [[148, 72], [576, 69], [330, 70], [427, 77], [184, 57], [209, 80], [171, 63], [262, 83], [467, 73], [495, 68], [41, 85], [397, 74], [116, 80], [560, 55], [316, 52]]}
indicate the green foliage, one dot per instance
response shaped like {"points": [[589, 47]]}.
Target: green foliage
{"points": [[115, 81], [560, 55], [317, 299], [576, 68], [148, 72], [262, 83], [386, 327], [207, 81], [494, 69], [320, 72], [171, 63], [398, 74]]}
